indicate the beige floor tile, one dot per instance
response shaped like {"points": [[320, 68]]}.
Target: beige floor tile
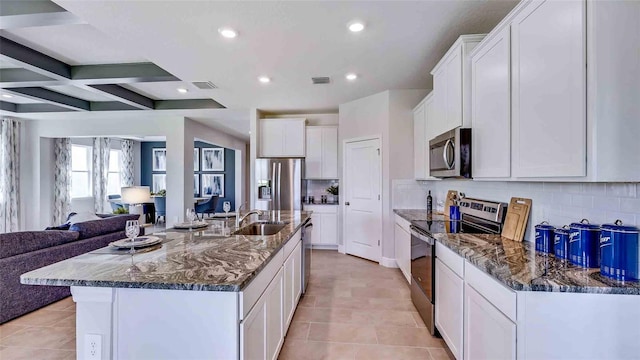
{"points": [[17, 353], [307, 301], [419, 322], [342, 302], [69, 321], [65, 304], [385, 352], [379, 293], [42, 337], [441, 354], [331, 292], [297, 331], [344, 333], [10, 329], [405, 336], [42, 317], [392, 304], [317, 350]]}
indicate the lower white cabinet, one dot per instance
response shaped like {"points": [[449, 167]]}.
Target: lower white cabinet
{"points": [[292, 285], [253, 333], [325, 225], [489, 334], [449, 295], [273, 323], [402, 240]]}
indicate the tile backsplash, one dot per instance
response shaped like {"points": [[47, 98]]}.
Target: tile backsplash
{"points": [[557, 203], [316, 188]]}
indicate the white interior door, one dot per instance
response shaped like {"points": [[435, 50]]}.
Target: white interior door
{"points": [[363, 207]]}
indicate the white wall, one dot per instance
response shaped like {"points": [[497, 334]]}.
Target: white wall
{"points": [[312, 119], [558, 203], [37, 165]]}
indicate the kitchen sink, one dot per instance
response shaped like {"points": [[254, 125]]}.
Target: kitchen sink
{"points": [[261, 228]]}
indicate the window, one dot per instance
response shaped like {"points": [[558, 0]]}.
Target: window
{"points": [[80, 171], [113, 179]]}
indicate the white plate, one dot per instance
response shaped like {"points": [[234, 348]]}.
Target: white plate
{"points": [[140, 241], [195, 225]]}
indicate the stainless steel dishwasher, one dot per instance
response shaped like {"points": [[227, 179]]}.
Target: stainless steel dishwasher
{"points": [[307, 229]]}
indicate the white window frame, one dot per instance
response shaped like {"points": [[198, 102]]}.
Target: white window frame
{"points": [[89, 170], [118, 152]]}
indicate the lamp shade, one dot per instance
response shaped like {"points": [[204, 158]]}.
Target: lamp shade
{"points": [[136, 194]]}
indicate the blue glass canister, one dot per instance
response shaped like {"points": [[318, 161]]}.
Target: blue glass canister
{"points": [[620, 252], [544, 237], [561, 242], [584, 244]]}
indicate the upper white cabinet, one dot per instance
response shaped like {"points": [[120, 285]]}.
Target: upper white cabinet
{"points": [[423, 131], [491, 107], [282, 137], [321, 160], [549, 90], [452, 86]]}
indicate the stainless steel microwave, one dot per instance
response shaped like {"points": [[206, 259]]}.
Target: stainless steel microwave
{"points": [[450, 154]]}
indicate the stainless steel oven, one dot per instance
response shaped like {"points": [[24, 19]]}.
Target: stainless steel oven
{"points": [[450, 154], [423, 262]]}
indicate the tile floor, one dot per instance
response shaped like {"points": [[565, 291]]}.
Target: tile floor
{"points": [[354, 309]]}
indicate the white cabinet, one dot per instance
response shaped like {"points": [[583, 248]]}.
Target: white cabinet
{"points": [[321, 159], [282, 138], [549, 90], [490, 107], [402, 239], [292, 285], [452, 87], [449, 290], [325, 225], [489, 334], [420, 171], [273, 317], [252, 333]]}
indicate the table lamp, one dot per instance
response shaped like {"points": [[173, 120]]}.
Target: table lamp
{"points": [[135, 196]]}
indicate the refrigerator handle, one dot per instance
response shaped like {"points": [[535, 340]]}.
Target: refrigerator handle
{"points": [[279, 185], [273, 186]]}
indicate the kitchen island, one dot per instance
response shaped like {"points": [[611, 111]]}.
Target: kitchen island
{"points": [[200, 294]]}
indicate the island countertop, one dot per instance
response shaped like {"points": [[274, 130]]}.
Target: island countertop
{"points": [[187, 260]]}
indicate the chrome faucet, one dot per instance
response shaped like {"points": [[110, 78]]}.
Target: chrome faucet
{"points": [[240, 219]]}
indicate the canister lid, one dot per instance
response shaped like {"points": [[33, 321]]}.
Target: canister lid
{"points": [[544, 226], [618, 227], [562, 230], [584, 225]]}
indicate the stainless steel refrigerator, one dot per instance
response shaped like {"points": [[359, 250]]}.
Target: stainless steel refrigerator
{"points": [[279, 184]]}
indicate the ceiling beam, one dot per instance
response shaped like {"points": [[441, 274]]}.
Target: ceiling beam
{"points": [[51, 97], [41, 108], [126, 96], [187, 104], [111, 106], [119, 73], [33, 60], [18, 77], [39, 19], [8, 106]]}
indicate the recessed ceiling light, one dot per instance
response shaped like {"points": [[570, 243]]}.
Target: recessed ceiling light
{"points": [[7, 96], [229, 33], [356, 26], [183, 90], [264, 79], [351, 76]]}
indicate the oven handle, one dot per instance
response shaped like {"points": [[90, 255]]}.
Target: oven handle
{"points": [[429, 240]]}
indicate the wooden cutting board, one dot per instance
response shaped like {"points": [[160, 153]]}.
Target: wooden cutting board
{"points": [[515, 223], [452, 196]]}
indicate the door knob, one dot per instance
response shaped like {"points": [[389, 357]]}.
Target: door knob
{"points": [[347, 203]]}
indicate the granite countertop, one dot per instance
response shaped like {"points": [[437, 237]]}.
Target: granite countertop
{"points": [[201, 260], [520, 267], [418, 214]]}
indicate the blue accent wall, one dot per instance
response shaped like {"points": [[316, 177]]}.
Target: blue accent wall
{"points": [[146, 166]]}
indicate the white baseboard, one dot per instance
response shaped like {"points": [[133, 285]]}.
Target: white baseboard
{"points": [[324, 247], [388, 262], [341, 249]]}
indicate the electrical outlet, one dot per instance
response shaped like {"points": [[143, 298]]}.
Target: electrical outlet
{"points": [[93, 347]]}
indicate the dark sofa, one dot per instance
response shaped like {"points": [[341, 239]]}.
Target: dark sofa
{"points": [[21, 252]]}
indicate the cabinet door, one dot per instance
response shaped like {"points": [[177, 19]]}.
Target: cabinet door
{"points": [[549, 94], [271, 138], [439, 120], [453, 68], [329, 232], [273, 324], [297, 276], [491, 106], [489, 334], [330, 152], [429, 132], [253, 336], [288, 277], [403, 250], [449, 307], [294, 137], [419, 148], [316, 233], [313, 159]]}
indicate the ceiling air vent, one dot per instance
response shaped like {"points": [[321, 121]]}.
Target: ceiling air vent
{"points": [[321, 80], [205, 85]]}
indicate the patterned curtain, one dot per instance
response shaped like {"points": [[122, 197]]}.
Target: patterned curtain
{"points": [[126, 163], [100, 175], [9, 174], [61, 180]]}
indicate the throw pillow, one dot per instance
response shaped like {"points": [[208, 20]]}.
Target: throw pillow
{"points": [[82, 217]]}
